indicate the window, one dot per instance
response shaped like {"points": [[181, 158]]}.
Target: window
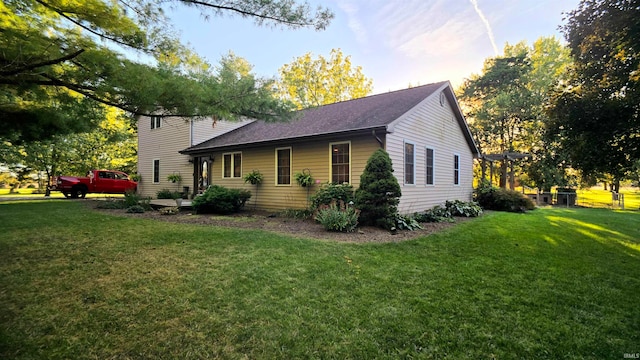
{"points": [[340, 162], [156, 122], [232, 165], [156, 171], [429, 167], [456, 169], [283, 166], [409, 163]]}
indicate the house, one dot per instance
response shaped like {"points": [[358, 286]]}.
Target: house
{"points": [[422, 129]]}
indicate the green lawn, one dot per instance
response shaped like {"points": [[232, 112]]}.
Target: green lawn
{"points": [[551, 284], [595, 197]]}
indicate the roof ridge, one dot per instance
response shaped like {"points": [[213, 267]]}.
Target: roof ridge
{"points": [[440, 83]]}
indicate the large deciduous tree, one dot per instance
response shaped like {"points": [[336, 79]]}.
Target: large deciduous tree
{"points": [[505, 105], [311, 82], [61, 59], [595, 118]]}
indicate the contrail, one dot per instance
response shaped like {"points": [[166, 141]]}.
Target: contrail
{"points": [[486, 24]]}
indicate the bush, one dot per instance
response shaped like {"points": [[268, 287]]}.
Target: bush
{"points": [[220, 200], [493, 198], [131, 199], [462, 208], [332, 192], [111, 204], [135, 209], [302, 214], [168, 194], [338, 217], [379, 192], [448, 211], [404, 222], [434, 215]]}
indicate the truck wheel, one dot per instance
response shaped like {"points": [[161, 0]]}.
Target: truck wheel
{"points": [[78, 192]]}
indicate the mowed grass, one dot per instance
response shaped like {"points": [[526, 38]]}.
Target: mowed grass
{"points": [[551, 284], [596, 197]]}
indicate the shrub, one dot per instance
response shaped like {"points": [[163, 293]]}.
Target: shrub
{"points": [[168, 194], [462, 208], [220, 200], [404, 222], [135, 209], [338, 217], [332, 192], [493, 198], [111, 204], [297, 214], [434, 215], [379, 192]]}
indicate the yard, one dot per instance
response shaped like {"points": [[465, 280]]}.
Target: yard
{"points": [[550, 284]]}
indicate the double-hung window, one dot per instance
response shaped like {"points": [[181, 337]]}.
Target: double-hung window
{"points": [[156, 122], [283, 166], [340, 162], [409, 163], [429, 166], [232, 165]]}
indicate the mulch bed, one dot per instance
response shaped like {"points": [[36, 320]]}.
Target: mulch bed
{"points": [[269, 221]]}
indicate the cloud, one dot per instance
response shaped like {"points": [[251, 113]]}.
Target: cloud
{"points": [[353, 22], [486, 24]]}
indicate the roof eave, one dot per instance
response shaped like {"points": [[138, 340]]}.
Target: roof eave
{"points": [[296, 139]]}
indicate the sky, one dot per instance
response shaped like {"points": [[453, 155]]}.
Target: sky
{"points": [[398, 43]]}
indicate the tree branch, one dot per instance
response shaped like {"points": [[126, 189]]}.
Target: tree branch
{"points": [[246, 13], [41, 64], [102, 35]]}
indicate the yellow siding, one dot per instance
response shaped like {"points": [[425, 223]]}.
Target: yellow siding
{"points": [[314, 155]]}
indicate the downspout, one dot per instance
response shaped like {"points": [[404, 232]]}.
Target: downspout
{"points": [[373, 132]]}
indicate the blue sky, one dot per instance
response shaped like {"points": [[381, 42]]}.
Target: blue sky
{"points": [[397, 42]]}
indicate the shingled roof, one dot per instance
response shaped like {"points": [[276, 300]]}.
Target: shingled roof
{"points": [[368, 113]]}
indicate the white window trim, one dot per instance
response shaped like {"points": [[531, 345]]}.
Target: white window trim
{"points": [[425, 166], [156, 124], [153, 170], [232, 165], [290, 165], [454, 170], [404, 163], [331, 159]]}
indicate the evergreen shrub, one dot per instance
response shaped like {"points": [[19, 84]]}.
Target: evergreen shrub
{"points": [[379, 192]]}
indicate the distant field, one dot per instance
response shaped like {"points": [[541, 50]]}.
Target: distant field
{"points": [[596, 197]]}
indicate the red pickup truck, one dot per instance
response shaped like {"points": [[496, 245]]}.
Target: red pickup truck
{"points": [[96, 181]]}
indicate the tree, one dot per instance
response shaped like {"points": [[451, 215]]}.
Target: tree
{"points": [[111, 145], [505, 105], [595, 117], [499, 103], [311, 82], [379, 192], [61, 59]]}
